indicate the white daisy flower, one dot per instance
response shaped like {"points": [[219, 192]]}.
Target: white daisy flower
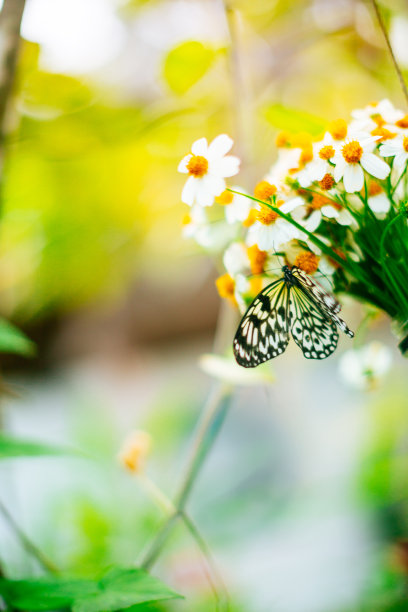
{"points": [[364, 368], [378, 114], [312, 213], [396, 148], [270, 230], [354, 155], [319, 166], [237, 207], [208, 166]]}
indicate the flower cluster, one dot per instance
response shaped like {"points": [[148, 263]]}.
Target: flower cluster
{"points": [[335, 206]]}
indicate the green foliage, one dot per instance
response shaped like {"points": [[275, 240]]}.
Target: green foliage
{"points": [[118, 588], [14, 447], [186, 64], [12, 340], [292, 120]]}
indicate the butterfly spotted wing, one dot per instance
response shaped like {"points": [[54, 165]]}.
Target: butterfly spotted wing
{"points": [[264, 329], [290, 305]]}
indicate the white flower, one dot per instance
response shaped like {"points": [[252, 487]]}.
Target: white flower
{"points": [[288, 159], [270, 230], [377, 199], [209, 235], [227, 370], [365, 367], [236, 260], [208, 166], [354, 155], [315, 170], [396, 148], [236, 206], [311, 215], [380, 114]]}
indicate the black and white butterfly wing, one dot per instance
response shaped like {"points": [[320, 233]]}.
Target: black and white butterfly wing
{"points": [[312, 329], [264, 329], [326, 300]]}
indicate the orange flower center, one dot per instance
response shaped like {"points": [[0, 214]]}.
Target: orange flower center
{"points": [[225, 198], [282, 139], [376, 117], [402, 123], [197, 166], [383, 132], [257, 259], [327, 182], [264, 190], [319, 201], [338, 129], [326, 152], [352, 152], [251, 218], [266, 216], [374, 189], [306, 155], [226, 287], [308, 262], [405, 143]]}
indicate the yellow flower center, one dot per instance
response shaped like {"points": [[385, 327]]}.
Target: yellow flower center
{"points": [[186, 220], [257, 259], [383, 132], [352, 152], [402, 123], [197, 166], [226, 287], [266, 216], [326, 152], [307, 261], [376, 117], [264, 190], [338, 129], [374, 189], [306, 155], [251, 218], [405, 143], [282, 139], [225, 198], [327, 182]]}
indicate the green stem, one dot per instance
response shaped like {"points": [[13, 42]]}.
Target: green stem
{"points": [[25, 541], [213, 417]]}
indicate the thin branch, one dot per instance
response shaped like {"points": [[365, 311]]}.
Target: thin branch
{"points": [[213, 416], [390, 49], [25, 541]]}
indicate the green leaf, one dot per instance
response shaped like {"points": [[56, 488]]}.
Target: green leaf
{"points": [[12, 340], [119, 588], [14, 447], [186, 64], [292, 120]]}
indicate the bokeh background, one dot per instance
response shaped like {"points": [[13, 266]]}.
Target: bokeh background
{"points": [[304, 497]]}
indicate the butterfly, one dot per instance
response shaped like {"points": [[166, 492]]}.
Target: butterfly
{"points": [[294, 304]]}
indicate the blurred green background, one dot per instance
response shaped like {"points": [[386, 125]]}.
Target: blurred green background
{"points": [[304, 499]]}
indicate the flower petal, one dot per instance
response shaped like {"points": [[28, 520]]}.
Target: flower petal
{"points": [[340, 168], [375, 166], [379, 203], [220, 146], [182, 167], [188, 195], [344, 217], [313, 221], [225, 167], [200, 147], [329, 211], [291, 204], [353, 178]]}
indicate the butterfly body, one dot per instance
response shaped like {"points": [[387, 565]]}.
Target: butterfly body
{"points": [[293, 305]]}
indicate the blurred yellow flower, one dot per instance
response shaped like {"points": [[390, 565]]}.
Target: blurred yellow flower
{"points": [[134, 450]]}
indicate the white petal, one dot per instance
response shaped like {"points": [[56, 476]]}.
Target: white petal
{"points": [[340, 168], [344, 217], [388, 149], [225, 167], [215, 184], [182, 167], [313, 221], [291, 204], [220, 146], [353, 178], [375, 166], [400, 160], [329, 211], [188, 194], [200, 147], [379, 203]]}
